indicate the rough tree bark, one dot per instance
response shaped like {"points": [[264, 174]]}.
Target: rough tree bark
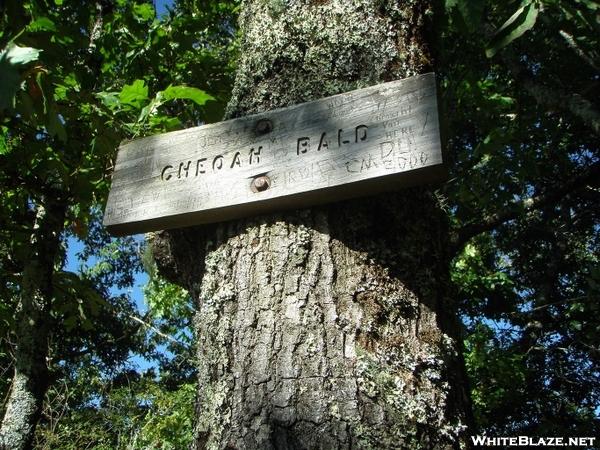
{"points": [[31, 375], [333, 327]]}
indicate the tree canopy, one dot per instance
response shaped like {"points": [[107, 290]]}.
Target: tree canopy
{"points": [[522, 111], [520, 95], [78, 79]]}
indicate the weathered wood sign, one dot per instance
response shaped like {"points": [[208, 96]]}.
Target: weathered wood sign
{"points": [[353, 144]]}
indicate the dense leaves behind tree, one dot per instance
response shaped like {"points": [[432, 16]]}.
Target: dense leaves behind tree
{"points": [[522, 104], [77, 79]]}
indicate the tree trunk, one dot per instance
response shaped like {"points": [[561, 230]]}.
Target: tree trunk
{"points": [[333, 327], [31, 375]]}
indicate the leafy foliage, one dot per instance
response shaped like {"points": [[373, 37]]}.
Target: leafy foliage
{"points": [[79, 78], [522, 106]]}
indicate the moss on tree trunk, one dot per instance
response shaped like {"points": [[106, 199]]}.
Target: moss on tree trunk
{"points": [[332, 327]]}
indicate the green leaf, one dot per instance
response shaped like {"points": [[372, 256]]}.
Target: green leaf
{"points": [[135, 94], [20, 55], [149, 109], [521, 21], [472, 12], [43, 23], [144, 11], [591, 5], [109, 99], [70, 323], [12, 59], [183, 92]]}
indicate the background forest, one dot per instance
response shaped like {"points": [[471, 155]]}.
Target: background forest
{"points": [[520, 93]]}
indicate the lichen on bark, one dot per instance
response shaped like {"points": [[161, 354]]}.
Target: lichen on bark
{"points": [[23, 405], [297, 51], [332, 327]]}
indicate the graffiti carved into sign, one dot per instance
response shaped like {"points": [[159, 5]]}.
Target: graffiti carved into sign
{"points": [[366, 141]]}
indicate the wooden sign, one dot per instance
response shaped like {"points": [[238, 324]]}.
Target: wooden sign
{"points": [[358, 143]]}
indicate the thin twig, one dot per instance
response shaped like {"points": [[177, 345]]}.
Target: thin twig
{"points": [[166, 336]]}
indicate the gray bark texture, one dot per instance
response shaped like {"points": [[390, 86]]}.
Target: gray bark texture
{"points": [[332, 327], [32, 376]]}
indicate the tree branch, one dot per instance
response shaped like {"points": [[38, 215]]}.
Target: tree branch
{"points": [[573, 44], [547, 305], [552, 98], [166, 336], [93, 348], [517, 207]]}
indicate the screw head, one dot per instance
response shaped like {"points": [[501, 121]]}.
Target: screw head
{"points": [[263, 127], [261, 183]]}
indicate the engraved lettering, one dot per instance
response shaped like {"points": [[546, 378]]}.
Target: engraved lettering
{"points": [[325, 169], [217, 162], [324, 142], [255, 155], [213, 140], [405, 145], [367, 164], [304, 172], [394, 115], [199, 165], [280, 153], [187, 168], [162, 174], [425, 124], [401, 163], [340, 112], [337, 102], [413, 161], [236, 160], [381, 134], [387, 146], [303, 142], [361, 131], [351, 162], [340, 142]]}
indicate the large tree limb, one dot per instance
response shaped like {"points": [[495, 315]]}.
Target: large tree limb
{"points": [[517, 207], [552, 98]]}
